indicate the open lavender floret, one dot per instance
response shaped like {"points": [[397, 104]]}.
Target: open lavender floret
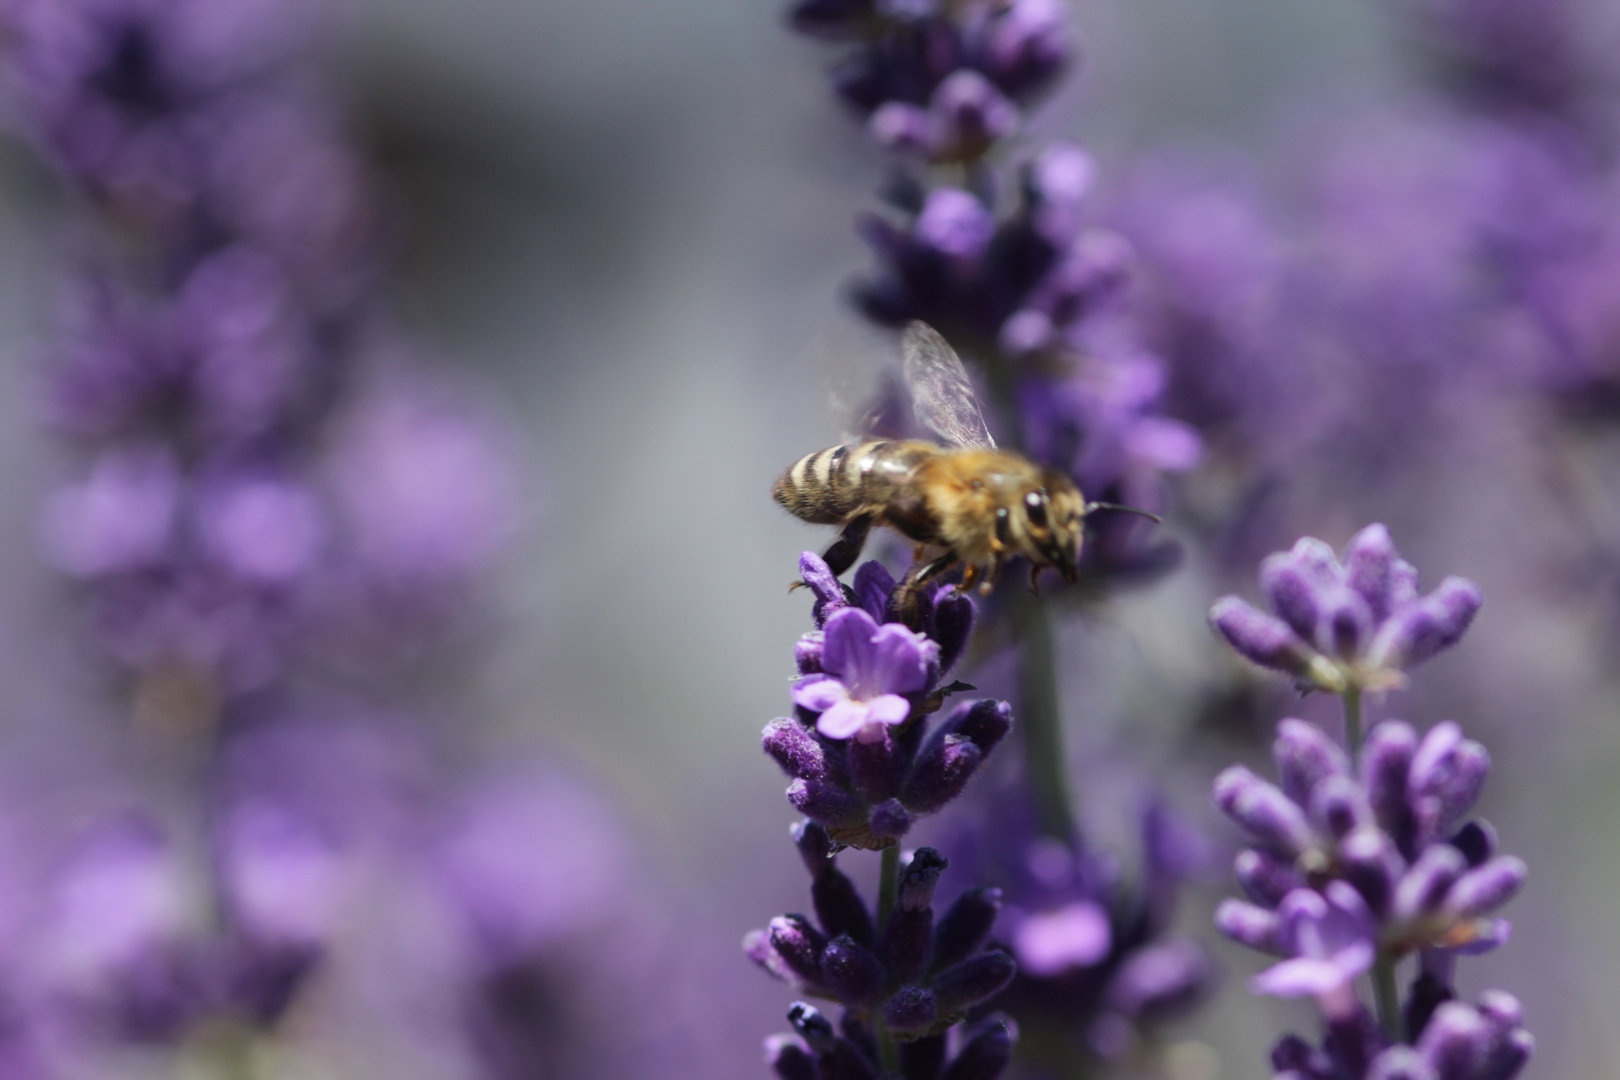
{"points": [[863, 760]]}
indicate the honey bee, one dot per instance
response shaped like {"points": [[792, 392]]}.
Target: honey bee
{"points": [[979, 504]]}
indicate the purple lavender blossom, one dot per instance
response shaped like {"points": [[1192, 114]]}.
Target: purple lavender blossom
{"points": [[1362, 854], [867, 671], [912, 976], [1356, 624], [1486, 1041], [860, 753], [1397, 833], [1098, 965], [941, 82]]}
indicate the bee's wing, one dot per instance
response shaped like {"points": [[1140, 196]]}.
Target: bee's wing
{"points": [[941, 391]]}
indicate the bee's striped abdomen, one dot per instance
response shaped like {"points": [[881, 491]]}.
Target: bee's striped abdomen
{"points": [[819, 487]]}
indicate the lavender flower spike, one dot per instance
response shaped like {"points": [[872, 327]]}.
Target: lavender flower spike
{"points": [[1354, 624]]}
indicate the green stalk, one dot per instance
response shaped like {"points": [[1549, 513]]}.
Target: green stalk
{"points": [[1352, 724], [1388, 997], [888, 896], [1041, 720], [1386, 993]]}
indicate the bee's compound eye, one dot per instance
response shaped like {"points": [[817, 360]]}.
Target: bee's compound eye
{"points": [[1035, 507]]}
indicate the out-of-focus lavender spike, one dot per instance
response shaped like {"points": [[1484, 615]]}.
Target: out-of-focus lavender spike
{"points": [[1356, 624], [789, 1059], [1304, 756], [985, 1053]]}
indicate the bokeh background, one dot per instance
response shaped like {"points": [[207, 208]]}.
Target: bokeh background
{"points": [[625, 227]]}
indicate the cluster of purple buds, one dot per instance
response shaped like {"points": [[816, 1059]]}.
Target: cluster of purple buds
{"points": [[1363, 856], [906, 975], [1021, 286], [1351, 625], [1459, 1042], [1348, 864], [863, 761], [941, 80]]}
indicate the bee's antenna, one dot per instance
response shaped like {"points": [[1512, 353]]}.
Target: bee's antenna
{"points": [[1155, 518]]}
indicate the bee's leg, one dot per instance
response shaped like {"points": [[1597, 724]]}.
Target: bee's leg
{"points": [[847, 548], [991, 576], [970, 577], [1035, 579], [903, 602]]}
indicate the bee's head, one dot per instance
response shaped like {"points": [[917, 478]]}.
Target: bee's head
{"points": [[1050, 521]]}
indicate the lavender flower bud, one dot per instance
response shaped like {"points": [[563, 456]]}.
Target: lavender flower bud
{"points": [[966, 926], [1338, 805], [953, 627], [1447, 775], [1400, 1063], [1424, 887], [1248, 924], [976, 114], [873, 588], [1264, 811], [1386, 762], [1293, 592], [1346, 624], [889, 820], [828, 591], [1305, 756], [796, 751], [918, 879], [788, 1058], [836, 1058], [1159, 979], [808, 651], [1456, 1043], [1264, 878], [979, 978], [1486, 888], [758, 948], [986, 723], [986, 1052], [942, 770], [1371, 864], [910, 1011], [1477, 841], [1269, 642], [875, 768], [815, 847], [1422, 628], [799, 944], [1369, 561], [908, 129], [852, 973], [825, 803], [839, 908], [955, 224]]}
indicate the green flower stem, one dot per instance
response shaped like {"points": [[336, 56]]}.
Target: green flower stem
{"points": [[1041, 720], [1388, 997], [1386, 994], [888, 895], [1352, 725]]}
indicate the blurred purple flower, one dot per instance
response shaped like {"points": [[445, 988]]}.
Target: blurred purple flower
{"points": [[1355, 624]]}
